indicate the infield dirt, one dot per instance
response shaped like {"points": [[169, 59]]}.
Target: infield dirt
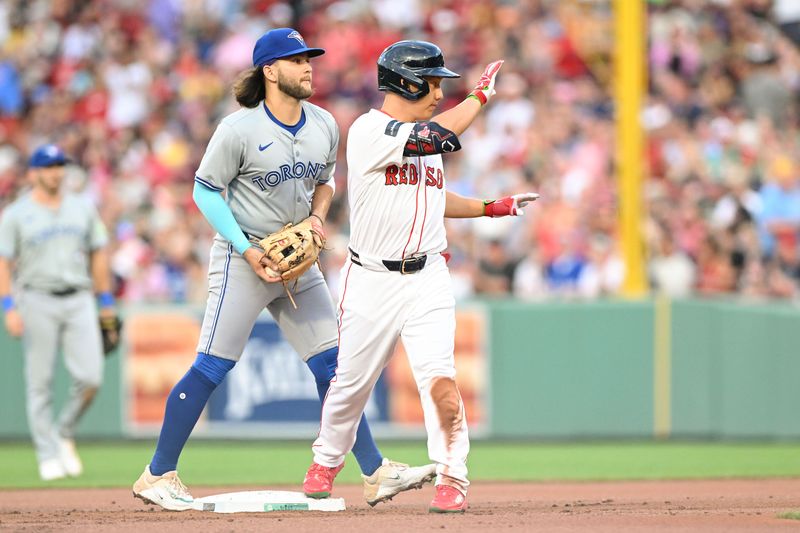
{"points": [[715, 505]]}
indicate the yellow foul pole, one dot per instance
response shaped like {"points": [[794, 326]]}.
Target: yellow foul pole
{"points": [[629, 72]]}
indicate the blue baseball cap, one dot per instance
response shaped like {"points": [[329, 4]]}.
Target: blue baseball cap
{"points": [[48, 155], [280, 43]]}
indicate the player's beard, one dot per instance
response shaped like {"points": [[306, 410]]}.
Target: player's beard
{"points": [[293, 88], [50, 183]]}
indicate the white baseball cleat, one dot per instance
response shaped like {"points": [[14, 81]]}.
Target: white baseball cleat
{"points": [[166, 490], [51, 469], [393, 478], [69, 458]]}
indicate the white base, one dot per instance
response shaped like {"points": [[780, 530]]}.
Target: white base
{"points": [[265, 501]]}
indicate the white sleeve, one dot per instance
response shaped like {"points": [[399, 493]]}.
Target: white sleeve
{"points": [[222, 160], [385, 144]]}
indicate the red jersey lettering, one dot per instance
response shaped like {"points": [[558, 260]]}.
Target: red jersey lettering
{"points": [[409, 175], [430, 179], [391, 175]]}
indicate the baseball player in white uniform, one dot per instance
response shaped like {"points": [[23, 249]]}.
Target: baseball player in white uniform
{"points": [[396, 282], [54, 241], [274, 159]]}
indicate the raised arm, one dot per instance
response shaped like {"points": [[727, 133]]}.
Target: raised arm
{"points": [[457, 119], [440, 134]]}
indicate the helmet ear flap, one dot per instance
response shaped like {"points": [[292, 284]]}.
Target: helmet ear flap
{"points": [[412, 87], [399, 79]]}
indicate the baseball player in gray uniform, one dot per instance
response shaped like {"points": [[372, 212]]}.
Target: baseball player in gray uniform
{"points": [[53, 242], [274, 159]]}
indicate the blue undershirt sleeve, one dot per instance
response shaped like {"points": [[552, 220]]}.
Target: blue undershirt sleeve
{"points": [[218, 214]]}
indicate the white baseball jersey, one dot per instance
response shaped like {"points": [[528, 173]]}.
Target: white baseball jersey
{"points": [[396, 210], [396, 202]]}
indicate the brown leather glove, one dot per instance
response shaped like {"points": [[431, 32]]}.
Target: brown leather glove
{"points": [[110, 330], [294, 249]]}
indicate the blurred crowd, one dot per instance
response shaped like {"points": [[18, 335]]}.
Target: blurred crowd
{"points": [[132, 90]]}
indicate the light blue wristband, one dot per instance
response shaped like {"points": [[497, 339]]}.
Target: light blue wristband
{"points": [[8, 303]]}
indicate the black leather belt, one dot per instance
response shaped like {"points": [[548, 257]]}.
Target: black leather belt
{"points": [[65, 292], [69, 291], [404, 266], [252, 238]]}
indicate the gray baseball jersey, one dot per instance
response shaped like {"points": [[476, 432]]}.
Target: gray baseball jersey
{"points": [[269, 172], [52, 247]]}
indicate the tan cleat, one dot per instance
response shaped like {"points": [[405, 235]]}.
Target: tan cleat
{"points": [[393, 478], [166, 491]]}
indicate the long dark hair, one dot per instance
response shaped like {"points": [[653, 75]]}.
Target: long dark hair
{"points": [[249, 89]]}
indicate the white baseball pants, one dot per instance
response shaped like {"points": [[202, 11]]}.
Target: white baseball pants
{"points": [[375, 308]]}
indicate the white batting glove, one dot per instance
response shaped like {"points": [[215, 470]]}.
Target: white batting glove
{"points": [[484, 89], [508, 206]]}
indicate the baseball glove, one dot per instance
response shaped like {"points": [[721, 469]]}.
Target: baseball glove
{"points": [[293, 249], [110, 329]]}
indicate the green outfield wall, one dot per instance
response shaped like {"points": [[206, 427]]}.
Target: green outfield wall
{"points": [[561, 370], [571, 370], [728, 369], [104, 419], [736, 370]]}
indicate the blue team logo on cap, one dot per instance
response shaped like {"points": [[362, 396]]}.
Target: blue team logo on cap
{"points": [[296, 35], [48, 155], [280, 43]]}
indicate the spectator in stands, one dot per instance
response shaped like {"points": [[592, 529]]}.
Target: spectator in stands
{"points": [[780, 199], [671, 271], [134, 89]]}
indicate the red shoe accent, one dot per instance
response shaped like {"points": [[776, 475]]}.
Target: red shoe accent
{"points": [[448, 500], [319, 480]]}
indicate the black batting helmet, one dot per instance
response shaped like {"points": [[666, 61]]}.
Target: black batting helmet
{"points": [[403, 65]]}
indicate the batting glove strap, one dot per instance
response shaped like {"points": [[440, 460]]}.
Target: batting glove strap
{"points": [[479, 96], [484, 89], [508, 205], [499, 208]]}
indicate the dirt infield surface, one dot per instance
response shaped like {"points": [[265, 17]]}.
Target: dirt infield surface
{"points": [[719, 505]]}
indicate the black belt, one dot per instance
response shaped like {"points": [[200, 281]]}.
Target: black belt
{"points": [[252, 238], [404, 266], [69, 291]]}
